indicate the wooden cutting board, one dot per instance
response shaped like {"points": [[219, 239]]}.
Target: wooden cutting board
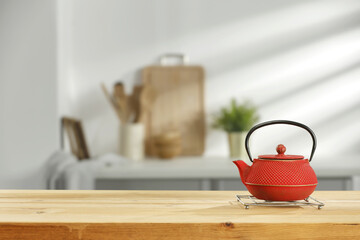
{"points": [[179, 105]]}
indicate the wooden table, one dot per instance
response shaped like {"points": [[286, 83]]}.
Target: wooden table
{"points": [[41, 214]]}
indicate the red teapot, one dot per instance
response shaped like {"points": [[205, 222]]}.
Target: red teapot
{"points": [[279, 177]]}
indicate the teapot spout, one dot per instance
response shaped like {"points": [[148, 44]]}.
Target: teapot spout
{"points": [[244, 170]]}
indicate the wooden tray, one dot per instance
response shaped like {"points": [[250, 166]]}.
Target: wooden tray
{"points": [[179, 105]]}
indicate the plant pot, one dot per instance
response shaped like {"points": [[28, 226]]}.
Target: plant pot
{"points": [[132, 138], [237, 145]]}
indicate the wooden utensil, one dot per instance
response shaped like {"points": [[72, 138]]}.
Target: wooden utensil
{"points": [[133, 107], [119, 90], [121, 99], [147, 98], [112, 102], [135, 102], [179, 102]]}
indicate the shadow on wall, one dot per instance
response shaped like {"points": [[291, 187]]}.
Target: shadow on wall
{"points": [[333, 76], [267, 48]]}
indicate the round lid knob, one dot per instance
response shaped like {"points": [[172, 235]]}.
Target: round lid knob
{"points": [[281, 155], [281, 149]]}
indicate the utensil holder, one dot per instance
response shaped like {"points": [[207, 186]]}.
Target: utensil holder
{"points": [[132, 138]]}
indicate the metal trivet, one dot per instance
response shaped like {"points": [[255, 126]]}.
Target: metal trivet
{"points": [[248, 201]]}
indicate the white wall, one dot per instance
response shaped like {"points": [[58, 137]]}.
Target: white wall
{"points": [[297, 60], [28, 110]]}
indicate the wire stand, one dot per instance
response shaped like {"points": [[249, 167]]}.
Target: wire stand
{"points": [[248, 201]]}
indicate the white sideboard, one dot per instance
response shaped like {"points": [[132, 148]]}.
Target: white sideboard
{"points": [[213, 173]]}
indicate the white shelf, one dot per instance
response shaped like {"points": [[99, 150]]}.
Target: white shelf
{"points": [[215, 168]]}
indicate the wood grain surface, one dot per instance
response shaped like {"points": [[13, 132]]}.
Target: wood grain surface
{"points": [[41, 214], [179, 105]]}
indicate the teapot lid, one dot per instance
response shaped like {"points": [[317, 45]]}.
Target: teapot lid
{"points": [[281, 156]]}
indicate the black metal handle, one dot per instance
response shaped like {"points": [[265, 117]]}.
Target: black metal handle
{"points": [[260, 125]]}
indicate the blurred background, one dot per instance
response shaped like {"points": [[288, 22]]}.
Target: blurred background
{"points": [[277, 59]]}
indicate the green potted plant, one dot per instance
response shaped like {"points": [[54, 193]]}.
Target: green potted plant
{"points": [[237, 120]]}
